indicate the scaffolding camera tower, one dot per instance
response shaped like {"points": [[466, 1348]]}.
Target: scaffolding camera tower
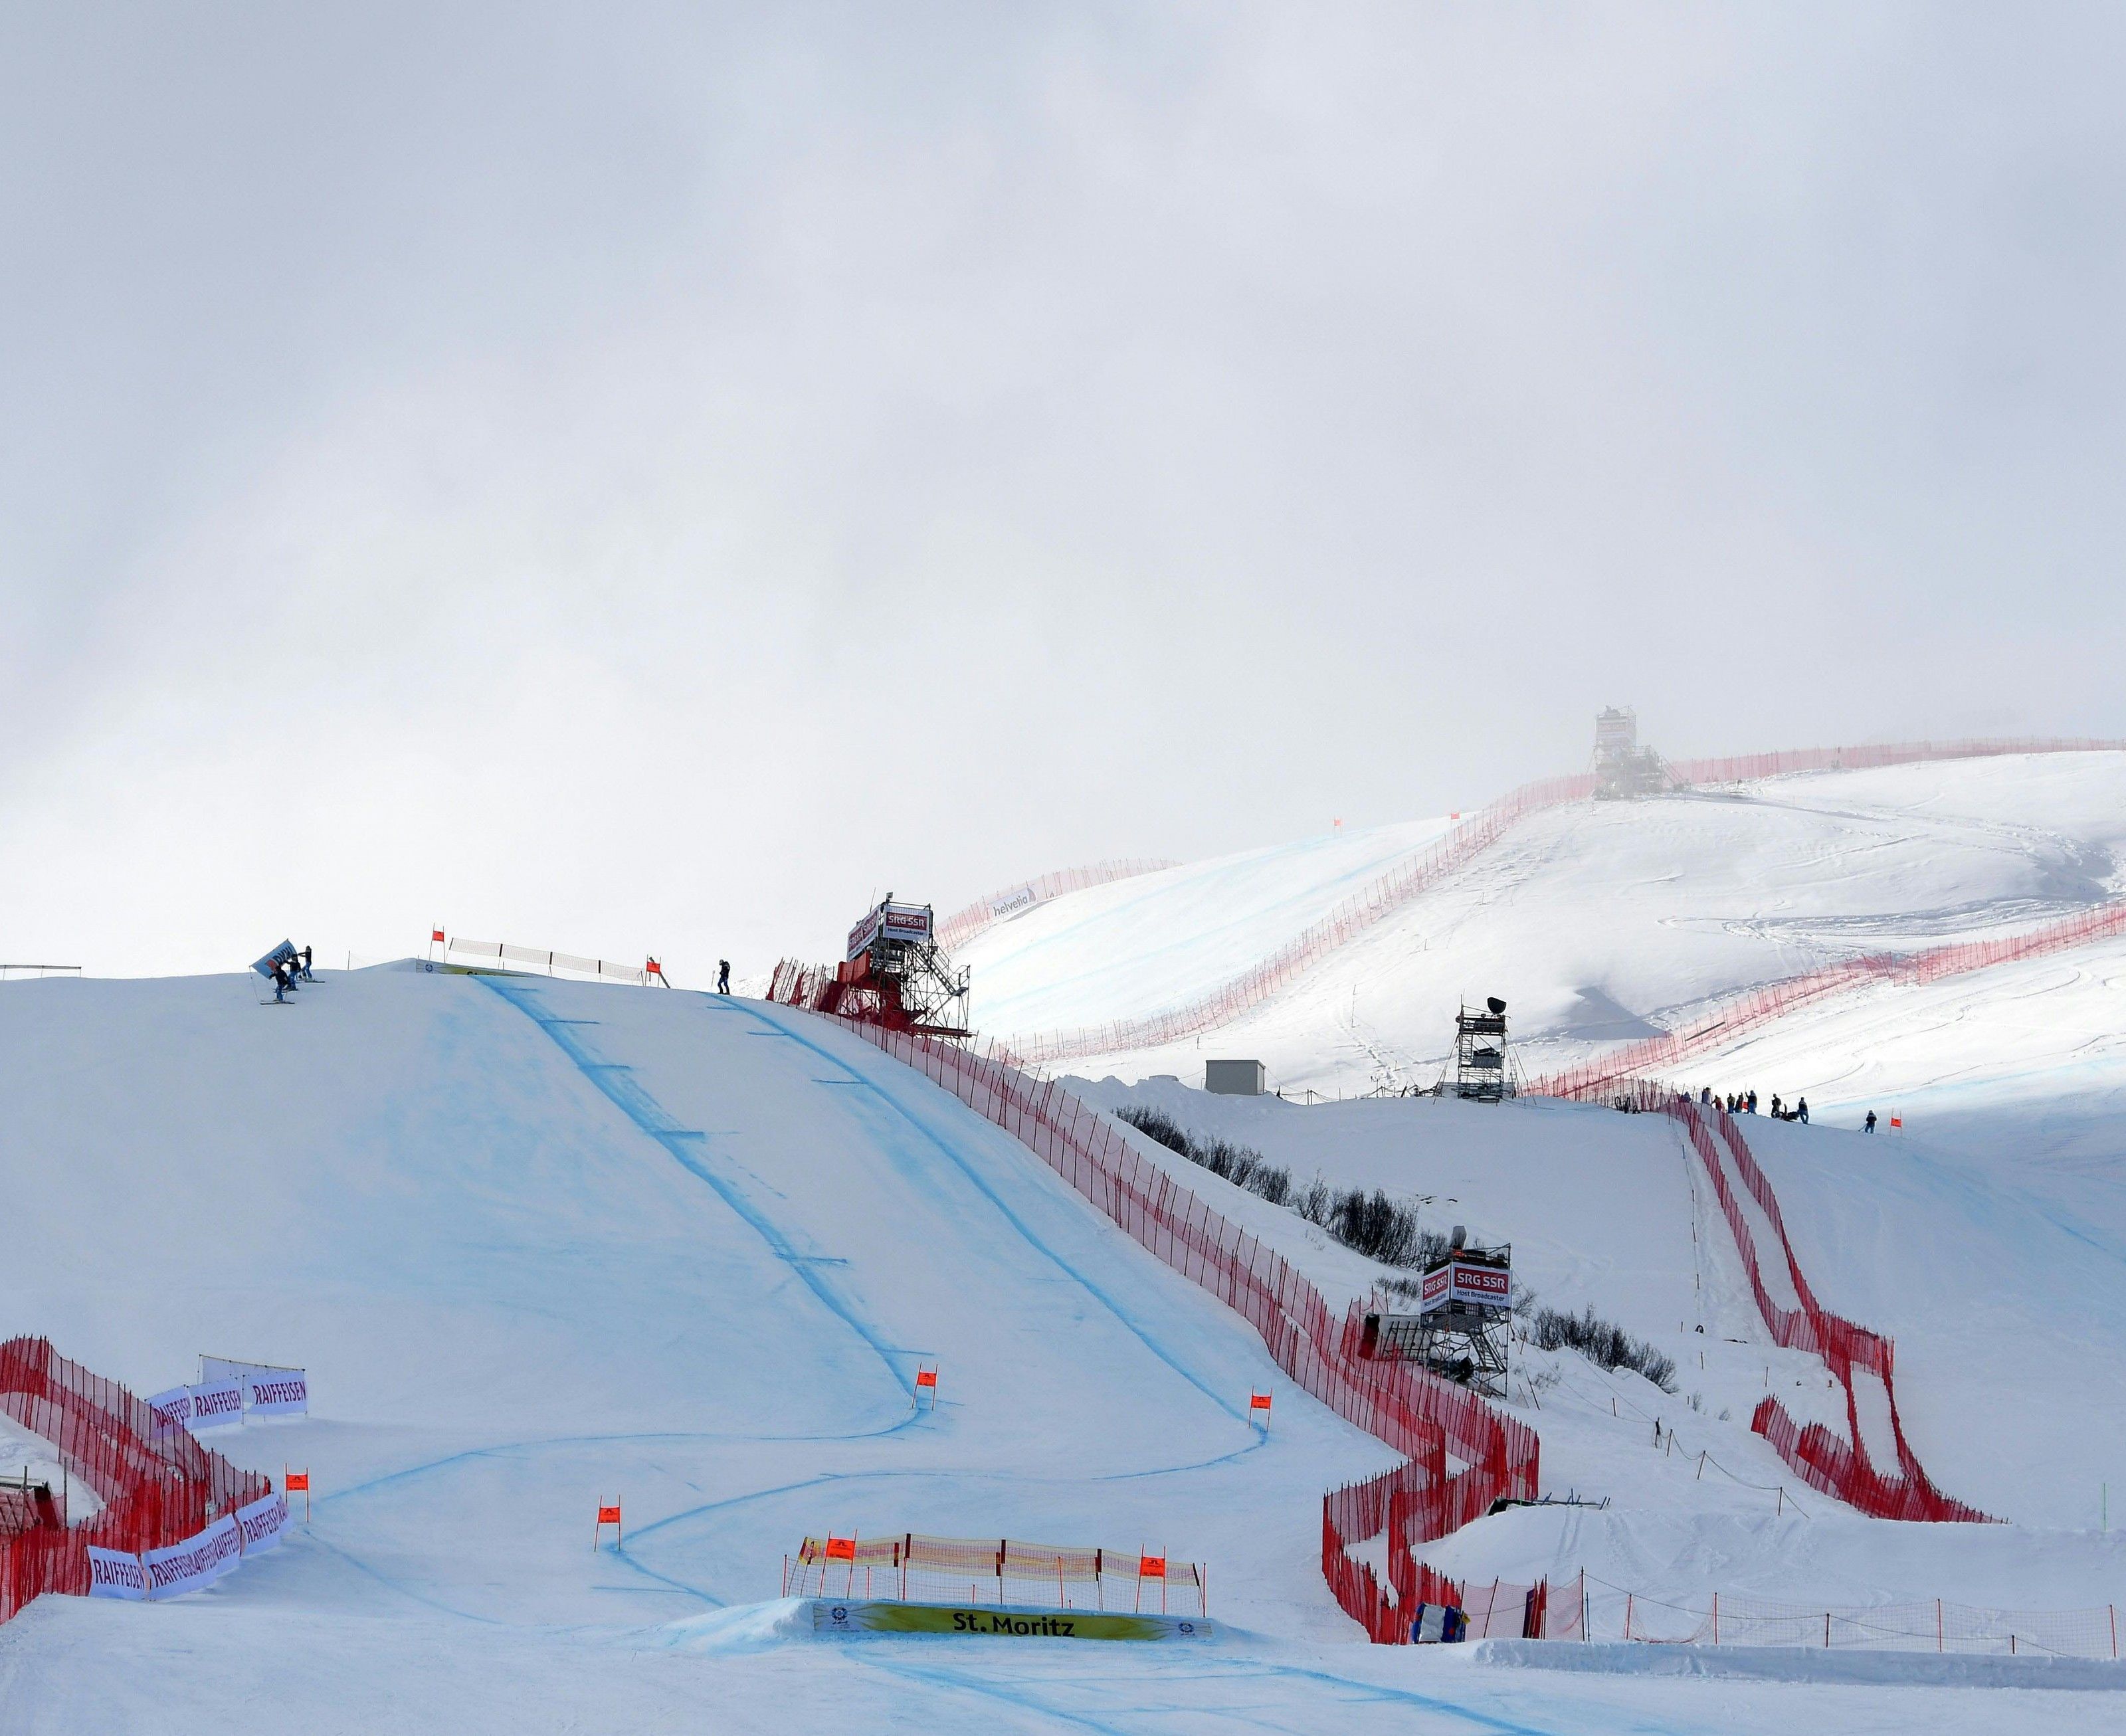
{"points": [[1462, 1329], [1481, 1071]]}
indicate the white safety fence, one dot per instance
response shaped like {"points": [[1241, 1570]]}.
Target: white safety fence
{"points": [[501, 953]]}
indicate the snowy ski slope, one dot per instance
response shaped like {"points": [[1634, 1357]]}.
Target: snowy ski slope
{"points": [[543, 1245], [1598, 922]]}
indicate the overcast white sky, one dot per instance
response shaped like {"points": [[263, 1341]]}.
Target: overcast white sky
{"points": [[628, 479]]}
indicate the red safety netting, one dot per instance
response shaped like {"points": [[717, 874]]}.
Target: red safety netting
{"points": [[158, 1487], [963, 926], [1732, 1019], [1840, 1468], [1395, 888], [1461, 1453]]}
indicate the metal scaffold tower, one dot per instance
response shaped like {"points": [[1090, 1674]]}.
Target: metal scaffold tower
{"points": [[1623, 767], [1462, 1329], [1481, 1071]]}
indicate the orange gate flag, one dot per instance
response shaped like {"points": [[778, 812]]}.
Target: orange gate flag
{"points": [[608, 1514], [297, 1481], [841, 1548], [926, 1377], [1260, 1401], [1151, 1567]]}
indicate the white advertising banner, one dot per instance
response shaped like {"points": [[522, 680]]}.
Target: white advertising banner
{"points": [[894, 921], [1464, 1282], [198, 1561], [1433, 1292], [173, 1409], [114, 1573], [282, 1393], [216, 1404], [260, 1525], [1482, 1286]]}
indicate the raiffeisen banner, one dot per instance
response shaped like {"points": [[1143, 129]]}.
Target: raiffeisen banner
{"points": [[114, 1573], [283, 1392], [197, 1561], [216, 1404], [260, 1525]]}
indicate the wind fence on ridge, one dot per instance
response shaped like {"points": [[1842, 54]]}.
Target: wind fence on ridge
{"points": [[158, 1485], [962, 926], [1383, 896], [1460, 1454]]}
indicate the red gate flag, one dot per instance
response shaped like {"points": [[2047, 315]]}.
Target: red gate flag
{"points": [[1897, 1121], [1151, 1567], [608, 1515], [436, 937], [298, 1483], [1257, 1400], [926, 1377], [841, 1548]]}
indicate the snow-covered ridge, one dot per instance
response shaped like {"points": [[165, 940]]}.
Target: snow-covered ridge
{"points": [[1598, 923]]}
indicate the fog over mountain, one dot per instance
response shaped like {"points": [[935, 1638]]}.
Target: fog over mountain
{"points": [[650, 477]]}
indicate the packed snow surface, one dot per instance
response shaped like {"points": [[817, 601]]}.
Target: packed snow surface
{"points": [[1598, 922], [544, 1245]]}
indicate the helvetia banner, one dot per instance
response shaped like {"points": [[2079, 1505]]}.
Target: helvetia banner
{"points": [[198, 1561], [114, 1573], [879, 1615]]}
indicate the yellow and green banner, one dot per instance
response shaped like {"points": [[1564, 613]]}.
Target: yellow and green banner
{"points": [[880, 1615]]}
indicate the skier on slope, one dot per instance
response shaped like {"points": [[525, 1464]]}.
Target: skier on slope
{"points": [[1869, 1126], [1801, 1112], [723, 976], [305, 971], [281, 982]]}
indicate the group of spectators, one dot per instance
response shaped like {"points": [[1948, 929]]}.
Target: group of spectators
{"points": [[1744, 1103]]}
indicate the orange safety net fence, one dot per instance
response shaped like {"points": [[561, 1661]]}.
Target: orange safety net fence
{"points": [[914, 1568]]}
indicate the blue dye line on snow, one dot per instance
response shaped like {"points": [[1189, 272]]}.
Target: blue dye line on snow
{"points": [[945, 1148], [617, 1081]]}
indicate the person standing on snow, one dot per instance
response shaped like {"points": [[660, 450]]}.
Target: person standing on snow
{"points": [[280, 983], [723, 976], [1869, 1125], [1801, 1112]]}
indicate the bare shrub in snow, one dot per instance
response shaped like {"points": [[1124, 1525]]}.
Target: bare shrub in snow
{"points": [[1605, 1344]]}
